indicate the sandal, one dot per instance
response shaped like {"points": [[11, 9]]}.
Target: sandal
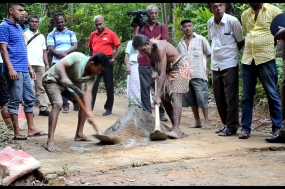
{"points": [[228, 132], [220, 130], [244, 135]]}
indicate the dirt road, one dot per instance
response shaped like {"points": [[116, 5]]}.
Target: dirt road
{"points": [[202, 158]]}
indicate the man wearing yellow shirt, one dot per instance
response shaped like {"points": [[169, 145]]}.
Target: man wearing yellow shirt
{"points": [[258, 61]]}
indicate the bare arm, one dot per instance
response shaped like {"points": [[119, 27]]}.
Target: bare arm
{"points": [[54, 52], [60, 68], [280, 35], [118, 52], [87, 100], [162, 74], [90, 51], [128, 69], [208, 63], [240, 44], [6, 60], [73, 48], [45, 59]]}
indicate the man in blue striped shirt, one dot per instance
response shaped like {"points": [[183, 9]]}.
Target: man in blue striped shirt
{"points": [[60, 42], [17, 70]]}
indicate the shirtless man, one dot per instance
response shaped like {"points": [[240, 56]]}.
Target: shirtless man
{"points": [[74, 68], [173, 76]]}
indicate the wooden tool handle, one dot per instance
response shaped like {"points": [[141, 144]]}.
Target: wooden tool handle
{"points": [[83, 108], [156, 106]]}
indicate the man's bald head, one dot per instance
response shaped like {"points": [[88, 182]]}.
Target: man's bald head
{"points": [[99, 23], [99, 18]]}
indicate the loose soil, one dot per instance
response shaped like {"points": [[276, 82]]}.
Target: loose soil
{"points": [[199, 157]]}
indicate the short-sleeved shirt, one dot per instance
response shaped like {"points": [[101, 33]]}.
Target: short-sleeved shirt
{"points": [[224, 36], [157, 32], [12, 34], [77, 62], [132, 52], [196, 55], [35, 48], [62, 41], [105, 42], [259, 42]]}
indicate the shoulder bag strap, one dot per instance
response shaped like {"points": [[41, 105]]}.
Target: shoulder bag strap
{"points": [[33, 38]]}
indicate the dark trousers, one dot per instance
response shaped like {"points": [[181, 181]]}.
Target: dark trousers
{"points": [[107, 75], [226, 93], [3, 88], [145, 84]]}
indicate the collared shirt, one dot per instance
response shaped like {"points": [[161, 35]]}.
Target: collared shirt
{"points": [[224, 36], [62, 41], [157, 32], [76, 66], [132, 52], [259, 42], [12, 35], [105, 42], [35, 48], [196, 55]]}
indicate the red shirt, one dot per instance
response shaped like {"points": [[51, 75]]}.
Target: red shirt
{"points": [[157, 31], [105, 42]]}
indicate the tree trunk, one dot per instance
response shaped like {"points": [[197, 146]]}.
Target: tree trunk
{"points": [[229, 8], [171, 21], [70, 9], [164, 19]]}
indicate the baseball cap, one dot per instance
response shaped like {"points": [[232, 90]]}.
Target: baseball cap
{"points": [[279, 20], [184, 21]]}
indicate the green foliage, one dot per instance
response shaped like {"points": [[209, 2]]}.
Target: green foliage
{"points": [[65, 168], [202, 15]]}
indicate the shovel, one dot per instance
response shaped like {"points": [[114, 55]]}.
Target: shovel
{"points": [[112, 139], [157, 134]]}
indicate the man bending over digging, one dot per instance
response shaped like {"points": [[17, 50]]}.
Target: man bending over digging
{"points": [[173, 76], [75, 68]]}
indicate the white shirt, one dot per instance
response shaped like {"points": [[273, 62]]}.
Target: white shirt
{"points": [[224, 36], [35, 48], [1, 60], [132, 52]]}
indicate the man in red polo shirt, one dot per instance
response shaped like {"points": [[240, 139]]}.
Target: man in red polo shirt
{"points": [[153, 30], [104, 40]]}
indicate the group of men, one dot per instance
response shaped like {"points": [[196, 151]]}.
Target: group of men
{"points": [[182, 72]]}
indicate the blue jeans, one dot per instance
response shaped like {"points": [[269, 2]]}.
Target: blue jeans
{"points": [[268, 76], [20, 91]]}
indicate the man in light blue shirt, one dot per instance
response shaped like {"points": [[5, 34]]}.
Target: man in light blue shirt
{"points": [[61, 42]]}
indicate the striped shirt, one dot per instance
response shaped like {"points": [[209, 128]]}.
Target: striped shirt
{"points": [[224, 36], [196, 55], [259, 42], [61, 41], [12, 35]]}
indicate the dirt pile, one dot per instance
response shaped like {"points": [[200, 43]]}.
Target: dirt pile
{"points": [[136, 124]]}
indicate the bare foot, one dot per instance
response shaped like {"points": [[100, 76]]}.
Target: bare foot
{"points": [[81, 138], [172, 135], [51, 147], [207, 125], [197, 124]]}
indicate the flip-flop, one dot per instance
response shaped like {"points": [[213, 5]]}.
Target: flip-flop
{"points": [[220, 130], [20, 137], [244, 135], [40, 133], [227, 132]]}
